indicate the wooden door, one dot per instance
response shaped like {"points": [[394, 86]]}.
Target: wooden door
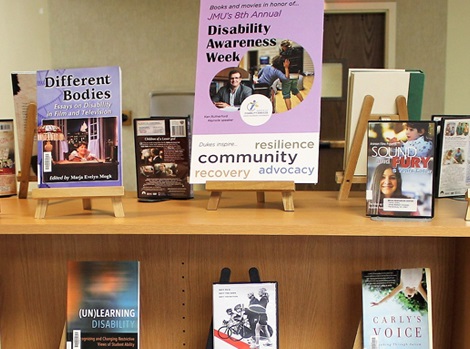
{"points": [[351, 40]]}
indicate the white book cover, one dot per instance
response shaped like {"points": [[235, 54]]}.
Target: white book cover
{"points": [[385, 85], [245, 315]]}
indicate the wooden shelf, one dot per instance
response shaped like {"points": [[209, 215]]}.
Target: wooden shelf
{"points": [[316, 254], [316, 213]]}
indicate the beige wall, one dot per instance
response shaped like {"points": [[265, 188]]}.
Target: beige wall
{"points": [[155, 43], [421, 44], [24, 44], [457, 96]]}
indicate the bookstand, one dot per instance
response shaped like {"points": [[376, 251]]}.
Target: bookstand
{"points": [[286, 188], [63, 338], [24, 177], [358, 340], [347, 178], [43, 195], [225, 279], [467, 197]]}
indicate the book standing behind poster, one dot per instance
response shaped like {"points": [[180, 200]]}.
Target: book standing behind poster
{"points": [[7, 159], [453, 159], [24, 94], [162, 158], [103, 304], [397, 308], [245, 315], [400, 168], [384, 85], [79, 127]]}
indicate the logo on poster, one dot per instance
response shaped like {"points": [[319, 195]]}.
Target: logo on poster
{"points": [[256, 110]]}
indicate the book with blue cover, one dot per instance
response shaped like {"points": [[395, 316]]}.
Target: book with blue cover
{"points": [[79, 127], [103, 304]]}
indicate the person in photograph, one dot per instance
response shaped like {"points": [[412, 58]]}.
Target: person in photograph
{"points": [[386, 183], [270, 73], [289, 87], [156, 156], [410, 284], [258, 317], [82, 153], [458, 156], [232, 94], [418, 140], [448, 157]]}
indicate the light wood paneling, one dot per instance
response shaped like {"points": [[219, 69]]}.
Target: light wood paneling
{"points": [[316, 213], [316, 254], [33, 285], [319, 283]]}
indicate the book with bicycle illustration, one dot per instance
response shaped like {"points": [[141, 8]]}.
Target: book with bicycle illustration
{"points": [[397, 309], [400, 169], [103, 304], [79, 127], [245, 315]]}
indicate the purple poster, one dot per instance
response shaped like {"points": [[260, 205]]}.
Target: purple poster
{"points": [[258, 88]]}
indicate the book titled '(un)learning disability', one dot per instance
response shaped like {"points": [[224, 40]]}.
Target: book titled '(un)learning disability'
{"points": [[103, 304]]}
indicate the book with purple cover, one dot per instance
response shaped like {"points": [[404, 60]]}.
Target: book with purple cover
{"points": [[79, 127]]}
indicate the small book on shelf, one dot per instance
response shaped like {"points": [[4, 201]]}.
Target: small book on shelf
{"points": [[384, 85], [24, 94], [400, 168], [162, 150], [245, 315], [397, 310], [103, 304], [453, 139], [7, 159]]}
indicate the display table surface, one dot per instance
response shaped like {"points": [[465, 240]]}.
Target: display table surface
{"points": [[316, 213]]}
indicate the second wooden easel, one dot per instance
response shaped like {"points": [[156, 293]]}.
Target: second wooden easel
{"points": [[24, 176], [286, 188], [43, 195], [347, 177]]}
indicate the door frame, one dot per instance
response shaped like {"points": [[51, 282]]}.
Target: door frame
{"points": [[390, 11]]}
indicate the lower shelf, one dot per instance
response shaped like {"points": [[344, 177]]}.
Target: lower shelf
{"points": [[319, 283]]}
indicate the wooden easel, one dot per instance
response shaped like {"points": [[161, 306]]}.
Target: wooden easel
{"points": [[286, 188], [359, 339], [347, 178], [63, 338], [467, 197], [43, 195], [24, 177]]}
